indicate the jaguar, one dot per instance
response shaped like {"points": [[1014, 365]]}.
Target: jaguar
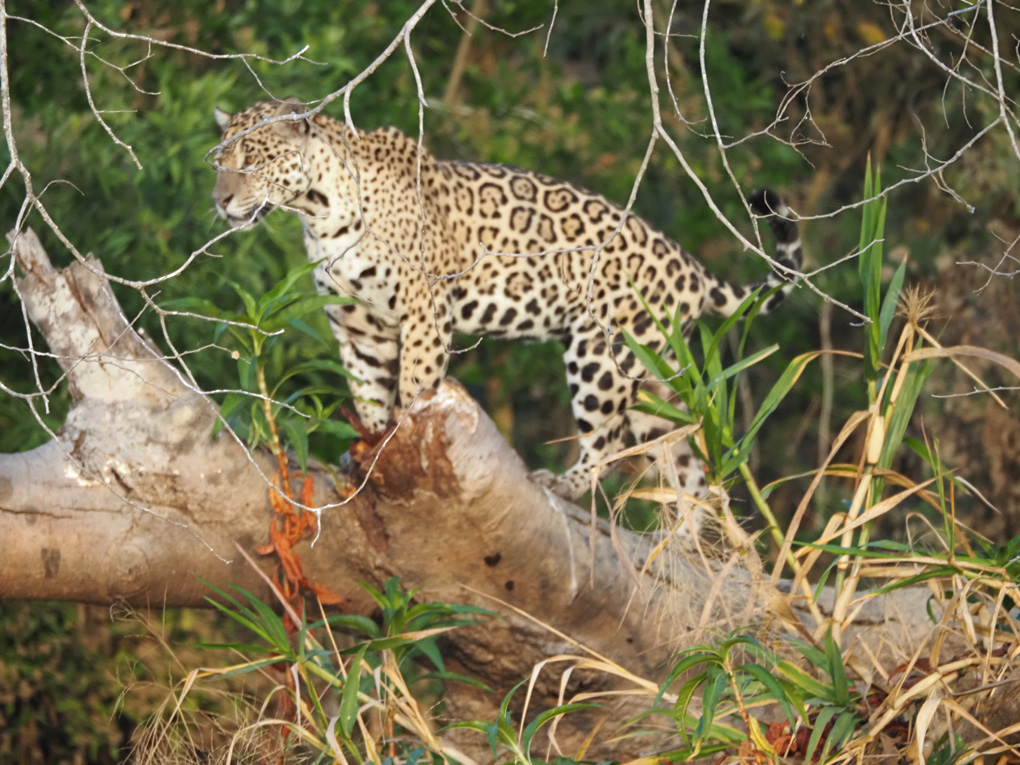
{"points": [[434, 247]]}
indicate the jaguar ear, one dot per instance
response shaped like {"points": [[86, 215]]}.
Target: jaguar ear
{"points": [[290, 128], [222, 118]]}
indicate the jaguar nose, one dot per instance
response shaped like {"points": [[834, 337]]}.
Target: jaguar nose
{"points": [[225, 201]]}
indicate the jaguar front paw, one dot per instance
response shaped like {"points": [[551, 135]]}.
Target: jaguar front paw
{"points": [[567, 485]]}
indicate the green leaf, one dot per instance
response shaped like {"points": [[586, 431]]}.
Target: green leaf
{"points": [[230, 404], [739, 453], [298, 308], [892, 296], [327, 340], [349, 695], [380, 644], [651, 360], [287, 282], [739, 366], [241, 618], [710, 698], [251, 667], [318, 365], [712, 362], [683, 701], [824, 715], [904, 409], [692, 657], [546, 716], [270, 620], [774, 687], [870, 267], [246, 374], [349, 622], [741, 639], [815, 657], [806, 682], [750, 302], [504, 730], [342, 430], [297, 437], [841, 730], [250, 306], [428, 647], [935, 573], [652, 404], [834, 661]]}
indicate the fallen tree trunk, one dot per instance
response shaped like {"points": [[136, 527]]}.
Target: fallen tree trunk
{"points": [[133, 498]]}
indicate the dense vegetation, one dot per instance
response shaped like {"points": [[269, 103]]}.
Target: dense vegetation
{"points": [[572, 102]]}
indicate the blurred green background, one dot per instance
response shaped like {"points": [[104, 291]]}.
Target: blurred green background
{"points": [[572, 103]]}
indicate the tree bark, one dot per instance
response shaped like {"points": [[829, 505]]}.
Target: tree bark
{"points": [[133, 500]]}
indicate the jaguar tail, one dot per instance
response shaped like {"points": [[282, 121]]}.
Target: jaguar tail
{"points": [[725, 298]]}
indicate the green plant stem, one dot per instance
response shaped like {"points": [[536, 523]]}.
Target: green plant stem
{"points": [[274, 443], [765, 510]]}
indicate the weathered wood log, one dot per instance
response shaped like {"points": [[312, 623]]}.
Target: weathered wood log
{"points": [[133, 500]]}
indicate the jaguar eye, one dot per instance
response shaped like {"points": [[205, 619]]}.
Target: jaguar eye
{"points": [[249, 160]]}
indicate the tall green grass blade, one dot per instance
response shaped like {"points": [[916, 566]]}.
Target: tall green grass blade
{"points": [[349, 695], [736, 455], [889, 303], [824, 716], [749, 306], [271, 622], [835, 670], [739, 366], [652, 404], [845, 724], [938, 572], [905, 403], [649, 358], [870, 268]]}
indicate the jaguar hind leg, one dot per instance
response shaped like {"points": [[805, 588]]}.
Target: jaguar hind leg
{"points": [[600, 394], [674, 461]]}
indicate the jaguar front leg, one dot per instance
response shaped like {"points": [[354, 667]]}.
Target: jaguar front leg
{"points": [[426, 335], [370, 351]]}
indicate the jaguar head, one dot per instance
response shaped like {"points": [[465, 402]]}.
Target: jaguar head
{"points": [[260, 166]]}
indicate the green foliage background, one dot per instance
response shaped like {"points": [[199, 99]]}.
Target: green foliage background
{"points": [[579, 111]]}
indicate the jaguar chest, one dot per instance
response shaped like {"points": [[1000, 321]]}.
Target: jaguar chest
{"points": [[355, 269]]}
